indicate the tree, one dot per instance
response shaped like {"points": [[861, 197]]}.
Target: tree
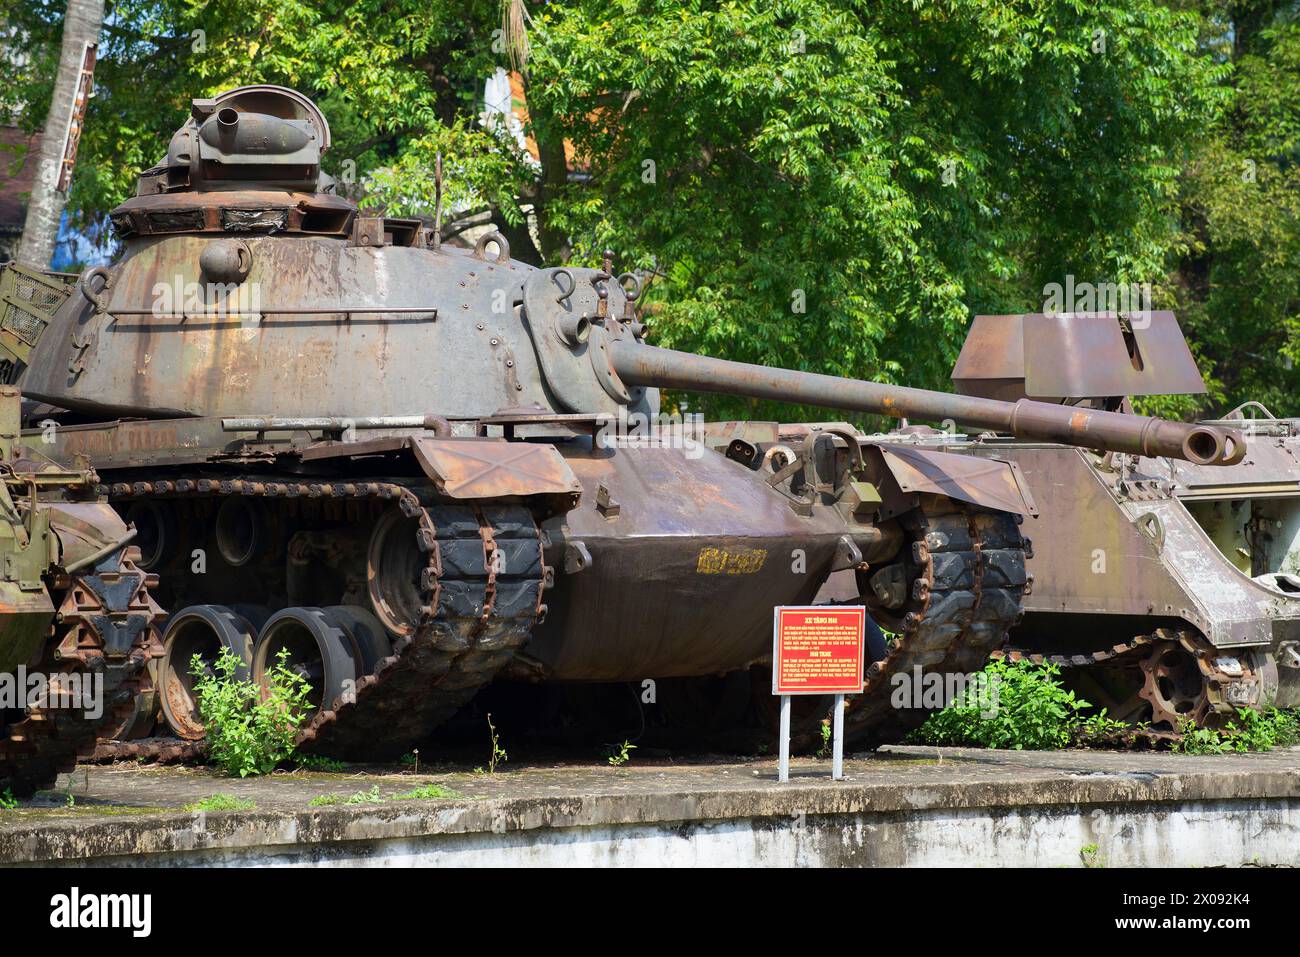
{"points": [[1238, 277], [823, 184], [81, 25], [839, 185]]}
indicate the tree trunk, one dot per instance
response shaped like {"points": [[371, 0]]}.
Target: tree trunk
{"points": [[81, 24]]}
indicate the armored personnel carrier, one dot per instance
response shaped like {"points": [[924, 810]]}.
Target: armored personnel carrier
{"points": [[1164, 589], [417, 468], [77, 618]]}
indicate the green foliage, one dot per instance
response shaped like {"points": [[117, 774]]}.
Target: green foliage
{"points": [[250, 730], [428, 792], [803, 145], [221, 802], [1238, 275], [1090, 856], [1033, 712], [1249, 731], [620, 754], [316, 762], [824, 749], [498, 754], [7, 800]]}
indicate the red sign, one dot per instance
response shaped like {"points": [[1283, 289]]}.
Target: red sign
{"points": [[817, 649]]}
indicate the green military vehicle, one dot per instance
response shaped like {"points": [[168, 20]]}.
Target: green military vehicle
{"points": [[77, 620]]}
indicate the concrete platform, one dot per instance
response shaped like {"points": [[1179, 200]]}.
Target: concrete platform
{"points": [[901, 806]]}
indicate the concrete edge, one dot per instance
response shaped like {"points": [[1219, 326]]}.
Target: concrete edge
{"points": [[134, 835]]}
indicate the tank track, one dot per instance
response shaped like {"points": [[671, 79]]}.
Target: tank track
{"points": [[105, 610], [149, 750], [967, 569], [480, 592]]}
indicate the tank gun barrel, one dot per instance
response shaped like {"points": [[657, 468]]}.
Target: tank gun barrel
{"points": [[638, 364]]}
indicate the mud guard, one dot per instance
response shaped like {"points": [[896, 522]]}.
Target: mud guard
{"points": [[478, 469], [991, 483]]}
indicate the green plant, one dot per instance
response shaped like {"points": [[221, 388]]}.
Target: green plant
{"points": [[361, 797], [72, 800], [1033, 712], [221, 802], [619, 754], [1197, 740], [1248, 731], [315, 762], [1089, 854], [498, 754], [7, 800], [428, 792], [824, 749], [250, 729]]}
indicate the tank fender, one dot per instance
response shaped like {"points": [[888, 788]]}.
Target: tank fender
{"points": [[990, 483], [485, 469]]}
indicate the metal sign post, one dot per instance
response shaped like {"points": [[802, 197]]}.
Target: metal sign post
{"points": [[837, 733], [817, 649], [783, 765]]}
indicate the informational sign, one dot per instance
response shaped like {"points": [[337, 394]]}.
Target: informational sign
{"points": [[817, 649]]}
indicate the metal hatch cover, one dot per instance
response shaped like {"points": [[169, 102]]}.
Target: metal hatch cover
{"points": [[992, 483], [476, 468]]}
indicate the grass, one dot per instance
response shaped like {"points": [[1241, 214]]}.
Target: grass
{"points": [[221, 802], [427, 792]]}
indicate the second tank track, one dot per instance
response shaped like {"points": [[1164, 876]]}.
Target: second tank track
{"points": [[480, 593]]}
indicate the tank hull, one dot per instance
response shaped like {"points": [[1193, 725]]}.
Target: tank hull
{"points": [[1128, 548]]}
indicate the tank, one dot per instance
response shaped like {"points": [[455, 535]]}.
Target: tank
{"points": [[1165, 590], [419, 469], [77, 618]]}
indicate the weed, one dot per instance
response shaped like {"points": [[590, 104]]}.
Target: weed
{"points": [[825, 749], [7, 800], [498, 754], [250, 729], [429, 792], [1090, 855], [619, 754], [1035, 712], [315, 762], [221, 802]]}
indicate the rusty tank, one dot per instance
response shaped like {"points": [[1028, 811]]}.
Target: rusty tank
{"points": [[1164, 589], [420, 469], [77, 617]]}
